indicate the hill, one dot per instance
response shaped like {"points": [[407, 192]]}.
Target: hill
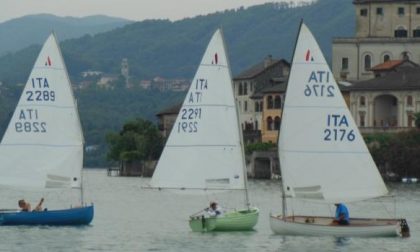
{"points": [[21, 32], [173, 49], [170, 49]]}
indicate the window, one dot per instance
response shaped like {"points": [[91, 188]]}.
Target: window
{"points": [[344, 63], [277, 123], [368, 62], [245, 88], [418, 10], [362, 120], [386, 57], [363, 12], [257, 106], [410, 120], [401, 11], [269, 123], [269, 102], [261, 106], [409, 101], [416, 32], [240, 89], [256, 125], [400, 32], [362, 101], [379, 11], [277, 102], [245, 106]]}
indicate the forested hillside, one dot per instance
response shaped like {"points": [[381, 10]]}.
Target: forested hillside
{"points": [[170, 49], [173, 49]]}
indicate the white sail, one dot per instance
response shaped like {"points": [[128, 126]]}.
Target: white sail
{"points": [[43, 144], [203, 150], [322, 153]]}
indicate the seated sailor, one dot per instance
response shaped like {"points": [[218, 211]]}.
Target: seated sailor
{"points": [[341, 214], [214, 210]]}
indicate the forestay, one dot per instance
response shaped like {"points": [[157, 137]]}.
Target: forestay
{"points": [[43, 144], [203, 150], [322, 153]]}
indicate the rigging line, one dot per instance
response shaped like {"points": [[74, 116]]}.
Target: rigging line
{"points": [[208, 105], [192, 188], [45, 105], [312, 63], [314, 107], [325, 152], [214, 65], [201, 145], [43, 145], [48, 68]]}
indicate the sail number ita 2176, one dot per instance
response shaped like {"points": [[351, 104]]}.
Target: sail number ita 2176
{"points": [[338, 129], [318, 85]]}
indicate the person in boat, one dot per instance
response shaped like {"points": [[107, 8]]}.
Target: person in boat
{"points": [[26, 207], [214, 210], [341, 214]]}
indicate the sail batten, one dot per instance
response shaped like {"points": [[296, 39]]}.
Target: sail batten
{"points": [[320, 146], [44, 139], [204, 148]]}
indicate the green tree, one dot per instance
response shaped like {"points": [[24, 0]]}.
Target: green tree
{"points": [[138, 140]]}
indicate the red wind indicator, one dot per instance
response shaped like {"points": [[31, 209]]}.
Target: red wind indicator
{"points": [[48, 62]]}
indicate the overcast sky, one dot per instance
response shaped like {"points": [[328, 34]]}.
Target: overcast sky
{"points": [[129, 9]]}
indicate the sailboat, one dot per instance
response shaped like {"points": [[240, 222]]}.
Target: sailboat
{"points": [[204, 151], [43, 144], [323, 156]]}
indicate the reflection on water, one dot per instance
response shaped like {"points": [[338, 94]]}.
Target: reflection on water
{"points": [[129, 218]]}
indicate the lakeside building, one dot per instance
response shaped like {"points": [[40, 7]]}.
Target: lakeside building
{"points": [[380, 64], [250, 106], [385, 30]]}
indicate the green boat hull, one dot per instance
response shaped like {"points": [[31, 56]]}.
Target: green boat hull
{"points": [[242, 220]]}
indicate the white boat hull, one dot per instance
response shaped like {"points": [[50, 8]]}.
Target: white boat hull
{"points": [[322, 226]]}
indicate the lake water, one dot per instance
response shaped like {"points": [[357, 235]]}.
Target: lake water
{"points": [[129, 218]]}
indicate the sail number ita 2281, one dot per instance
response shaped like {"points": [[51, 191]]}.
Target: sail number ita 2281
{"points": [[338, 129], [318, 85], [190, 115]]}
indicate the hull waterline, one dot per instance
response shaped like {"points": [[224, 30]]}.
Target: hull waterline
{"points": [[65, 217], [242, 220], [322, 226]]}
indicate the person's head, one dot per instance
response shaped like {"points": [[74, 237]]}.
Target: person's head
{"points": [[336, 204], [21, 203], [213, 205]]}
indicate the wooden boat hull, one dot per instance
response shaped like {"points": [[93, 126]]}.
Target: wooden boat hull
{"points": [[321, 226], [65, 217], [242, 220]]}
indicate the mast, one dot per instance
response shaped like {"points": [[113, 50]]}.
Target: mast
{"points": [[283, 192], [241, 139]]}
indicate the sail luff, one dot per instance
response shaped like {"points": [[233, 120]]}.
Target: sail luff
{"points": [[241, 137], [322, 154]]}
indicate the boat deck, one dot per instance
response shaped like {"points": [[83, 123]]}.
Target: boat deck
{"points": [[328, 221]]}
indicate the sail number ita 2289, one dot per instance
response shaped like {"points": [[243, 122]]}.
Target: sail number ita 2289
{"points": [[40, 91], [338, 129], [29, 122], [318, 85]]}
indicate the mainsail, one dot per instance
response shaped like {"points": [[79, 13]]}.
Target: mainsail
{"points": [[322, 153], [43, 144], [204, 150]]}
